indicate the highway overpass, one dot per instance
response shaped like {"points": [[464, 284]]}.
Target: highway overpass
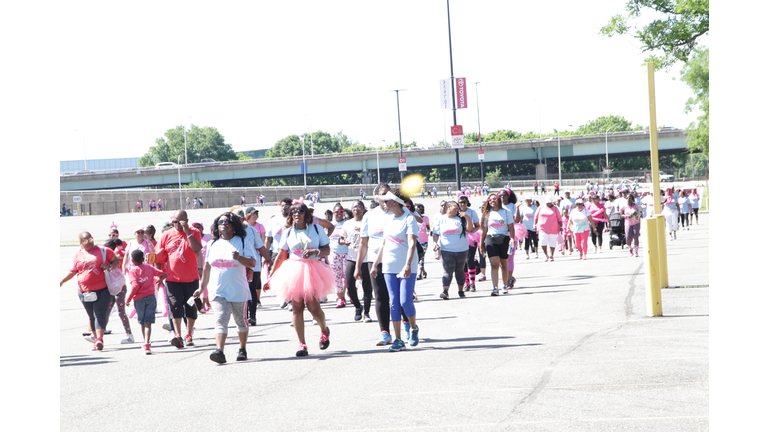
{"points": [[620, 144]]}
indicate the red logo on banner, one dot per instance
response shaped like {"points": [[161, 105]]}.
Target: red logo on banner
{"points": [[457, 130], [401, 160], [461, 92]]}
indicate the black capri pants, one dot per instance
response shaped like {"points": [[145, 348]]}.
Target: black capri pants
{"points": [[352, 287], [531, 240], [98, 311], [178, 294]]}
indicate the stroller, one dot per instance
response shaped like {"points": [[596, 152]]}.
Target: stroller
{"points": [[617, 231]]}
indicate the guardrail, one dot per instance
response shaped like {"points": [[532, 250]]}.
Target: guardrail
{"points": [[522, 143]]}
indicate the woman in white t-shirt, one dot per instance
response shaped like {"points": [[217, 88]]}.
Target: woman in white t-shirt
{"points": [[631, 214], [579, 222], [449, 234], [350, 236], [226, 260], [399, 264], [299, 277], [338, 257], [498, 232]]}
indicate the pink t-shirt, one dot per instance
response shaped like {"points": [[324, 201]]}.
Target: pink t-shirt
{"points": [[634, 211], [87, 265], [597, 212], [259, 228], [142, 281], [423, 236], [547, 220]]}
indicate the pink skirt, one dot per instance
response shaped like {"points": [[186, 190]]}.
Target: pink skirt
{"points": [[303, 279]]}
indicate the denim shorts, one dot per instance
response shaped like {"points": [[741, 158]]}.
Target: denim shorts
{"points": [[145, 309]]}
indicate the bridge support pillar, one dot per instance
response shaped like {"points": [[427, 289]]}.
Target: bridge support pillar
{"points": [[541, 171]]}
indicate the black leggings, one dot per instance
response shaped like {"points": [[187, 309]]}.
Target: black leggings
{"points": [[255, 286], [98, 311], [471, 264], [684, 220], [352, 288], [532, 240], [379, 287], [597, 235]]}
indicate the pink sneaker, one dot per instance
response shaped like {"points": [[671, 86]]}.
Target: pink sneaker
{"points": [[341, 303]]}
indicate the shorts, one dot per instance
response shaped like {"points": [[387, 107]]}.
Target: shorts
{"points": [[178, 294], [547, 239], [494, 250], [145, 309]]}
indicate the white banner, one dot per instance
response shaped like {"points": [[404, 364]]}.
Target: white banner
{"points": [[445, 94]]}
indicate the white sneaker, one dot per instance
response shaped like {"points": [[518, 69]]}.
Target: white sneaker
{"points": [[537, 255], [166, 327], [128, 339], [527, 257], [505, 290], [90, 339]]}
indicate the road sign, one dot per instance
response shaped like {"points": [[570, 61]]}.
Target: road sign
{"points": [[481, 154], [401, 164], [77, 199], [457, 136]]}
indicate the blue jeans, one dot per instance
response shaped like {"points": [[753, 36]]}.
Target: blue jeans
{"points": [[400, 295]]}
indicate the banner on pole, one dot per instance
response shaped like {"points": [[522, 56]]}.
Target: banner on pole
{"points": [[457, 137], [481, 154], [401, 164], [445, 94], [461, 93]]}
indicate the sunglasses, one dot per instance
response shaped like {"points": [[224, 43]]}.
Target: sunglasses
{"points": [[491, 199], [112, 235], [140, 232], [223, 222], [293, 212], [85, 239], [339, 211], [174, 222], [357, 207]]}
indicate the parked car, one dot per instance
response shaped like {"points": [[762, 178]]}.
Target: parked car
{"points": [[166, 165], [207, 160], [666, 177]]}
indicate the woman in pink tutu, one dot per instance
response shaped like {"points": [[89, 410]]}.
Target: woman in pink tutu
{"points": [[299, 277]]}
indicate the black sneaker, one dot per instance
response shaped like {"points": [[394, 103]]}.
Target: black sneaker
{"points": [[218, 356], [461, 294], [252, 322], [302, 352], [472, 288], [324, 340], [242, 355], [282, 306], [444, 295], [358, 314], [177, 342], [466, 287]]}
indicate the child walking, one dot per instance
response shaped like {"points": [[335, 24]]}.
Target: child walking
{"points": [[142, 282]]}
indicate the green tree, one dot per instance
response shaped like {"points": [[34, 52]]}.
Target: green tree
{"points": [[695, 73], [602, 124], [204, 142], [198, 184], [668, 39]]}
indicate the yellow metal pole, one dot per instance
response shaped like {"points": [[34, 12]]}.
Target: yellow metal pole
{"points": [[652, 283], [655, 169], [661, 246]]}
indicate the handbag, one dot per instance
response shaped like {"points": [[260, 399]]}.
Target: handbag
{"points": [[115, 277], [498, 239]]}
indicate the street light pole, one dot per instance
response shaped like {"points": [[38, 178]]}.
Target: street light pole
{"points": [[453, 92], [607, 167], [178, 168], [399, 129], [304, 165], [559, 163], [479, 136]]}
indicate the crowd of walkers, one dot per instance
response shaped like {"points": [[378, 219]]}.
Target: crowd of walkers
{"points": [[381, 250]]}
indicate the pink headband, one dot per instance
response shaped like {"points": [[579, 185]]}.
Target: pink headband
{"points": [[298, 201]]}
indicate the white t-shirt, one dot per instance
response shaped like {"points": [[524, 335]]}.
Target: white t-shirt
{"points": [[395, 252], [450, 234], [296, 240], [227, 277], [351, 233], [567, 203], [254, 238], [334, 238], [694, 201], [435, 219], [528, 214], [373, 226], [275, 228], [498, 222], [580, 220]]}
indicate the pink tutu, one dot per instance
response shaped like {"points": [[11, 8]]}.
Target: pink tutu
{"points": [[303, 279]]}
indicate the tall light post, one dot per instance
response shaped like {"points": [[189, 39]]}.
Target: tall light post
{"points": [[479, 136], [607, 167], [453, 93], [559, 164], [178, 168], [304, 165], [378, 170], [399, 130]]}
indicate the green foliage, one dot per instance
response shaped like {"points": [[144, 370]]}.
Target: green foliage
{"points": [[197, 184], [493, 178], [695, 73], [602, 124], [315, 143], [202, 143], [241, 156], [675, 35]]}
